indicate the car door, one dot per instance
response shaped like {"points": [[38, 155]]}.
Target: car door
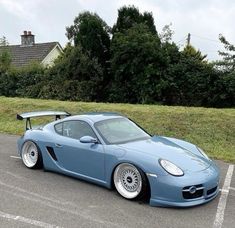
{"points": [[82, 158]]}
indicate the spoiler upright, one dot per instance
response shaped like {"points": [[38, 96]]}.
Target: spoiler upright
{"points": [[28, 115]]}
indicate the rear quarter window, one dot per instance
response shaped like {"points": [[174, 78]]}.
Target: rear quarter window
{"points": [[59, 128]]}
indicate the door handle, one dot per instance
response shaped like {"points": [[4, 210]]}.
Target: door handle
{"points": [[58, 145]]}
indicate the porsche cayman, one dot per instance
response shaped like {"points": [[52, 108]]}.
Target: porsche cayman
{"points": [[111, 150]]}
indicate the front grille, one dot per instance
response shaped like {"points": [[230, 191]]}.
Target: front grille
{"points": [[211, 191], [198, 192]]}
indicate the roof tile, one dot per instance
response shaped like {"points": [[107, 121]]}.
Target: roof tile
{"points": [[23, 55]]}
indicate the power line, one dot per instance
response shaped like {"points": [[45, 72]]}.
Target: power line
{"points": [[183, 39], [205, 38], [188, 39], [208, 51]]}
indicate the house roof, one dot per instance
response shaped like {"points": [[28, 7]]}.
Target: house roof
{"points": [[23, 55]]}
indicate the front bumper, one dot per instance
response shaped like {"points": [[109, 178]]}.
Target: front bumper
{"points": [[175, 191]]}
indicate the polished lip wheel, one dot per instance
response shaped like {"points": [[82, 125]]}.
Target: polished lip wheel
{"points": [[30, 154], [127, 180]]}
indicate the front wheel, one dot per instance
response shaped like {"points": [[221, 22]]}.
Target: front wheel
{"points": [[31, 155], [129, 181]]}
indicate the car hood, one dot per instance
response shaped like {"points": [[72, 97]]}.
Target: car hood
{"points": [[163, 148]]}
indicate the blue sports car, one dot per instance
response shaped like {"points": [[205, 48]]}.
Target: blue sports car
{"points": [[111, 150]]}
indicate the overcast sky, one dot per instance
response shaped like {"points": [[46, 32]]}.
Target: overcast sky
{"points": [[47, 19]]}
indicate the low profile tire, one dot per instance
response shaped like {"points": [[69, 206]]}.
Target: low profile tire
{"points": [[31, 155], [130, 182]]}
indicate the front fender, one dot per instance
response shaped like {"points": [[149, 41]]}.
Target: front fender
{"points": [[147, 163]]}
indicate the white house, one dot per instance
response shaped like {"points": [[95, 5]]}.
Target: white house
{"points": [[29, 51]]}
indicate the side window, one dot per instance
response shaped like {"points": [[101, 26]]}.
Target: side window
{"points": [[77, 129], [59, 128]]}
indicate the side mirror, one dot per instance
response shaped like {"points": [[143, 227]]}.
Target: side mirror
{"points": [[88, 139]]}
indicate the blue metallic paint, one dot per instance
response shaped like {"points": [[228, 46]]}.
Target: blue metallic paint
{"points": [[96, 162], [209, 178]]}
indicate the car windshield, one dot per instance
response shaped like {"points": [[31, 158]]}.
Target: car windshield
{"points": [[120, 130]]}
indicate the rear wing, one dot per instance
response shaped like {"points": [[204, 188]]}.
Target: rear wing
{"points": [[28, 115]]}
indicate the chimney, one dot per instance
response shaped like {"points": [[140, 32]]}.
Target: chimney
{"points": [[27, 39]]}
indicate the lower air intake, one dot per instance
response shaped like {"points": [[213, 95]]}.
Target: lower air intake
{"points": [[193, 192], [51, 152]]}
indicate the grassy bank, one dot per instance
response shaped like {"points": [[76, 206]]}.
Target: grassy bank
{"points": [[211, 129]]}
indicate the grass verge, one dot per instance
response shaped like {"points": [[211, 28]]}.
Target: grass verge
{"points": [[211, 129]]}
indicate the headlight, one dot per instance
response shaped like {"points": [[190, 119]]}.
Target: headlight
{"points": [[171, 168], [203, 153]]}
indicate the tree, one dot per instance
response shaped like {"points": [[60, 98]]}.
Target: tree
{"points": [[29, 79], [5, 61], [3, 41], [128, 16], [221, 92], [75, 76], [136, 57], [168, 87], [91, 33], [187, 77], [136, 65], [224, 89], [166, 34], [191, 52], [228, 62]]}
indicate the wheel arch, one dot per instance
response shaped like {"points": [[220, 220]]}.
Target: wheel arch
{"points": [[40, 164], [28, 140]]}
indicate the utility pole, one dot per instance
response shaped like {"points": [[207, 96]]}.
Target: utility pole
{"points": [[188, 39]]}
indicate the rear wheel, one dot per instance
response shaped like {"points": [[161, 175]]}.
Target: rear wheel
{"points": [[129, 181], [31, 155]]}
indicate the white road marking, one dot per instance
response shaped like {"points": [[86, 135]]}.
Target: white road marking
{"points": [[17, 157], [224, 190], [231, 188], [223, 198], [12, 174], [82, 212], [28, 193], [26, 220]]}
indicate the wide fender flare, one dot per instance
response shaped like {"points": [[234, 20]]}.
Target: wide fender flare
{"points": [[149, 165]]}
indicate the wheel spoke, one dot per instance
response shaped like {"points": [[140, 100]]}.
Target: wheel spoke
{"points": [[127, 180], [30, 154]]}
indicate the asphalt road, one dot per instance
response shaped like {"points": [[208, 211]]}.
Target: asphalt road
{"points": [[34, 198]]}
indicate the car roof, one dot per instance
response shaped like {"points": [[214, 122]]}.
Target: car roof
{"points": [[96, 116]]}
